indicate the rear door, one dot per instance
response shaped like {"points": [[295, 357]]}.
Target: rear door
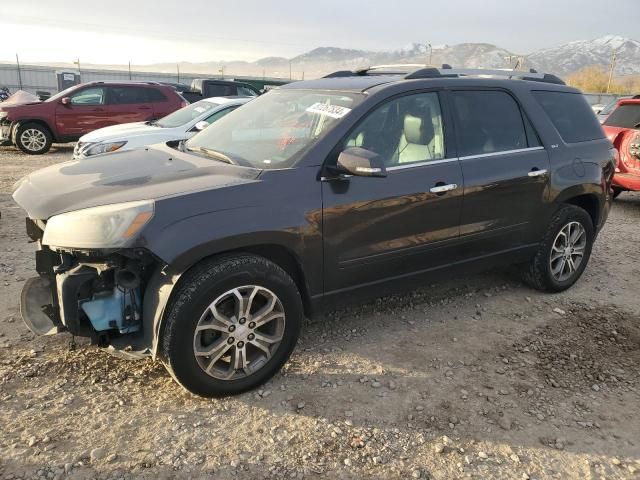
{"points": [[379, 228], [505, 168], [129, 104], [86, 111]]}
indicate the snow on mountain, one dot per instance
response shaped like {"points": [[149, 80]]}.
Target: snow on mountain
{"points": [[575, 55]]}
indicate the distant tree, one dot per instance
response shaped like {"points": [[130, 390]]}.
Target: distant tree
{"points": [[594, 79]]}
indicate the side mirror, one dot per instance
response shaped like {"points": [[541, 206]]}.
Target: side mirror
{"points": [[201, 125], [65, 101], [361, 162]]}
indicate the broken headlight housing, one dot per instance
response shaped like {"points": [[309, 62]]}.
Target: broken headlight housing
{"points": [[107, 226]]}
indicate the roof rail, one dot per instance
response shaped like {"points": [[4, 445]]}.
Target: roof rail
{"points": [[531, 75], [446, 71]]}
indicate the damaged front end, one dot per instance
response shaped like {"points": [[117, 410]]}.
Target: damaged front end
{"points": [[94, 293]]}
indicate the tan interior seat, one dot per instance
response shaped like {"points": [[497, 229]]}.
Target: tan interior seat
{"points": [[417, 142]]}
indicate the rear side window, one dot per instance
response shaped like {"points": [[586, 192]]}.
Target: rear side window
{"points": [[488, 122], [571, 115], [128, 95], [156, 95], [626, 116]]}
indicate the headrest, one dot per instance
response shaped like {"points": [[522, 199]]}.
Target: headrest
{"points": [[418, 130]]}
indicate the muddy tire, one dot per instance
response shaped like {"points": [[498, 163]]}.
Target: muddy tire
{"points": [[230, 325], [33, 138], [563, 253]]}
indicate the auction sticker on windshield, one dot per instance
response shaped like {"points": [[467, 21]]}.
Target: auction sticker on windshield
{"points": [[333, 111]]}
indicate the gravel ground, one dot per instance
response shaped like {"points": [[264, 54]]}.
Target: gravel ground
{"points": [[475, 377]]}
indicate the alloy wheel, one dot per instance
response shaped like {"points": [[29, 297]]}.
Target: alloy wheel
{"points": [[239, 332], [568, 250], [33, 139]]}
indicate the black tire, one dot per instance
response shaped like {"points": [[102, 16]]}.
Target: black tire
{"points": [[197, 289], [33, 148], [616, 192], [537, 273]]}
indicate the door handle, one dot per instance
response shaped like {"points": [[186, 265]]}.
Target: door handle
{"points": [[536, 172], [443, 188], [98, 110], [144, 108]]}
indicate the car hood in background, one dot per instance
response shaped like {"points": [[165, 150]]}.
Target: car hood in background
{"points": [[150, 173], [125, 131]]}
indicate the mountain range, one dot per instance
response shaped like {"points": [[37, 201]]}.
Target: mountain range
{"points": [[562, 60]]}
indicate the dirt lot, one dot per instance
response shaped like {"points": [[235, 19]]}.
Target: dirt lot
{"points": [[476, 377]]}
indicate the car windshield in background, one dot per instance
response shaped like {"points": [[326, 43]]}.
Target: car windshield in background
{"points": [[625, 116], [273, 130], [186, 114], [611, 105]]}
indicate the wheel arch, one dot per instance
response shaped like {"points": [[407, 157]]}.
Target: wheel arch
{"points": [[163, 283], [590, 203], [38, 121]]}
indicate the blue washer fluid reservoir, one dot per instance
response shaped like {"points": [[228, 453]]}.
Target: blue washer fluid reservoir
{"points": [[119, 310]]}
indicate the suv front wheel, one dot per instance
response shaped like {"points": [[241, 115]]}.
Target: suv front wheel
{"points": [[564, 252], [33, 138], [231, 325]]}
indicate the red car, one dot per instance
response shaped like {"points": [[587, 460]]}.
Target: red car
{"points": [[623, 129], [67, 116]]}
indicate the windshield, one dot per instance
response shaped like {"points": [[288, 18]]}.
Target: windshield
{"points": [[62, 94], [274, 130], [611, 105], [626, 115], [187, 114]]}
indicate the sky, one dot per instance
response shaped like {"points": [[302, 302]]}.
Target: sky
{"points": [[155, 31]]}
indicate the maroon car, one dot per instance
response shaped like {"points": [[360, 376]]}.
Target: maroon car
{"points": [[67, 116]]}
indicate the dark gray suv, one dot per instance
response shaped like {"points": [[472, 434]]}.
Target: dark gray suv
{"points": [[207, 255]]}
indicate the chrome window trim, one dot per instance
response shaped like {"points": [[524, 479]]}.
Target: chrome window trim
{"points": [[506, 152], [421, 164]]}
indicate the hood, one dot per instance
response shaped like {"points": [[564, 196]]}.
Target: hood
{"points": [[144, 174], [122, 132], [35, 108]]}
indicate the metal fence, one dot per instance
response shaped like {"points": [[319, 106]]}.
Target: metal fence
{"points": [[33, 77]]}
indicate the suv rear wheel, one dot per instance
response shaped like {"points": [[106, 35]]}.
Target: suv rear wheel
{"points": [[33, 138], [564, 252], [231, 325]]}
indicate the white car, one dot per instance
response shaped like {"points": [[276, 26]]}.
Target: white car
{"points": [[179, 125]]}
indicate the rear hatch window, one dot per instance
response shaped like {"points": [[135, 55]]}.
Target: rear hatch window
{"points": [[571, 115], [625, 116]]}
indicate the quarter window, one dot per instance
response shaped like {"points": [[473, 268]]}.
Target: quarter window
{"points": [[571, 115], [488, 122], [89, 96], [402, 131]]}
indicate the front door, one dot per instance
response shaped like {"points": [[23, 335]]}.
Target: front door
{"points": [[85, 112], [379, 228], [506, 172]]}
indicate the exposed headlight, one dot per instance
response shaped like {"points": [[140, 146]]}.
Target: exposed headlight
{"points": [[4, 115], [103, 148], [108, 226]]}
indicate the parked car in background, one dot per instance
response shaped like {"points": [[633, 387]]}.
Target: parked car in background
{"points": [[622, 127], [604, 112], [65, 117], [179, 125], [205, 88], [208, 257]]}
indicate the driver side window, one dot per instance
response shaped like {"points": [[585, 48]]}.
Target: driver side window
{"points": [[89, 96], [405, 130]]}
